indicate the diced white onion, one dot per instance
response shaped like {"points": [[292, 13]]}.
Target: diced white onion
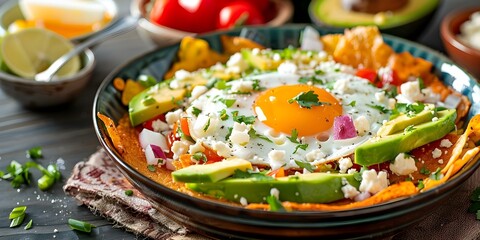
{"points": [[147, 137], [155, 155]]}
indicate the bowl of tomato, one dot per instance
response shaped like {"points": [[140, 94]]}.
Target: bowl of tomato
{"points": [[166, 22]]}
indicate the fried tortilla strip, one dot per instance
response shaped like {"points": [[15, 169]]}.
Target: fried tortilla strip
{"points": [[463, 152], [330, 42], [363, 47], [402, 189], [112, 132], [407, 65], [131, 89], [233, 44]]}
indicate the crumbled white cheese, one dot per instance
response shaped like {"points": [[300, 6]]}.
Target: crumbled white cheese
{"points": [[362, 196], [240, 134], [205, 125], [245, 153], [287, 68], [436, 153], [243, 201], [276, 158], [179, 80], [315, 155], [373, 182], [173, 117], [440, 161], [410, 92], [222, 149], [348, 190], [197, 91], [352, 171], [362, 125], [344, 164], [179, 148], [403, 165], [197, 147], [445, 143], [236, 64], [243, 86], [342, 85], [274, 192], [391, 103], [380, 96], [159, 126], [434, 119]]}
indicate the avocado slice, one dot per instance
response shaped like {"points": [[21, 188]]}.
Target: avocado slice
{"points": [[401, 122], [212, 172], [153, 101], [382, 149], [303, 188], [333, 13], [261, 61]]}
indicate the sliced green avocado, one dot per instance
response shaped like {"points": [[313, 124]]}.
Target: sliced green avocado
{"points": [[153, 101], [304, 188], [333, 13], [261, 61], [211, 172], [401, 122], [382, 149]]}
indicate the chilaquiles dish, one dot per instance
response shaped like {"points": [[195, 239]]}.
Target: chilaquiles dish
{"points": [[341, 123]]}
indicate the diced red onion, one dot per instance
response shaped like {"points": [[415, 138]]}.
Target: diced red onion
{"points": [[147, 137], [343, 128], [169, 164], [155, 155]]}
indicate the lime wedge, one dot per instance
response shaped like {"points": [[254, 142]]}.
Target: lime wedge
{"points": [[33, 50]]}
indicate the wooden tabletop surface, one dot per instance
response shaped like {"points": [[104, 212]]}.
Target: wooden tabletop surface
{"points": [[67, 133]]}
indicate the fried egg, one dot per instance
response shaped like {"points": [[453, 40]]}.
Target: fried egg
{"points": [[264, 119]]}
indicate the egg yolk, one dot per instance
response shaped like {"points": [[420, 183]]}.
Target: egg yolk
{"points": [[277, 109]]}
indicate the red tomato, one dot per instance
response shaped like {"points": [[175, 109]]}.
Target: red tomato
{"points": [[187, 15], [391, 78], [148, 123], [211, 155], [184, 126], [237, 14], [370, 75]]}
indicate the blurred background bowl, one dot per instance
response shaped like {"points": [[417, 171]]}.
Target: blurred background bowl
{"points": [[35, 94], [406, 22], [10, 12], [463, 54], [164, 36]]}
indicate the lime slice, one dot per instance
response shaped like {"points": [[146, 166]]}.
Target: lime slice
{"points": [[33, 50]]}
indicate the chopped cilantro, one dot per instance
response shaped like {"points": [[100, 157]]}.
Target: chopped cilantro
{"points": [[256, 85], [228, 102], [301, 146], [420, 185], [293, 136], [223, 114], [421, 84], [424, 171], [275, 204], [196, 111], [230, 129], [307, 100], [129, 192], [313, 80], [380, 108], [253, 134], [146, 80], [200, 157], [357, 176], [409, 109], [151, 168], [241, 118], [319, 72], [207, 125], [437, 175], [250, 174], [352, 103], [221, 85], [305, 165], [392, 93], [34, 153]]}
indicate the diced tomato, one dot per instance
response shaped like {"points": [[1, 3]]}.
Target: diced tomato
{"points": [[211, 155], [370, 75], [172, 137], [148, 124], [184, 126], [279, 172]]}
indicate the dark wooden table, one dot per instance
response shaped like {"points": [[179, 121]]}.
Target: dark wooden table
{"points": [[67, 133]]}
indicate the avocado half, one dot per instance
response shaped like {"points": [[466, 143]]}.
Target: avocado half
{"points": [[404, 22]]}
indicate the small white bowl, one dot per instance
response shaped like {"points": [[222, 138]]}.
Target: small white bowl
{"points": [[35, 94], [164, 36]]}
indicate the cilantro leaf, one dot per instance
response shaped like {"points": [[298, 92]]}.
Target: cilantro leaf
{"points": [[301, 146], [250, 174], [253, 134], [227, 102], [275, 204], [223, 115], [352, 103], [241, 118], [424, 171], [256, 85], [200, 156], [313, 80], [420, 185], [196, 111], [380, 108], [306, 165], [293, 136], [307, 100]]}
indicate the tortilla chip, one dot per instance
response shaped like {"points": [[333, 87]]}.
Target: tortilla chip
{"points": [[402, 189], [131, 89], [407, 65], [233, 44], [362, 47], [112, 132], [330, 42]]}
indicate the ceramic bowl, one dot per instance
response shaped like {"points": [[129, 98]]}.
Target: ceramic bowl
{"points": [[224, 221], [164, 36], [403, 27], [466, 56], [35, 94], [10, 12]]}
